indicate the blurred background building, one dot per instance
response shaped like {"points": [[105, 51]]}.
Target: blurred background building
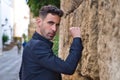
{"points": [[14, 20]]}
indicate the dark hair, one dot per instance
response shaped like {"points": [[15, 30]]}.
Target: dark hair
{"points": [[50, 9]]}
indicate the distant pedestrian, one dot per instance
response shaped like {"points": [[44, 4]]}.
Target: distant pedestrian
{"points": [[24, 43], [25, 40], [19, 45]]}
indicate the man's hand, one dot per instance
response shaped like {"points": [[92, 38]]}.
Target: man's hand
{"points": [[75, 32]]}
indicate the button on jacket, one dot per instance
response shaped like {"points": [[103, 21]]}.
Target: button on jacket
{"points": [[40, 63]]}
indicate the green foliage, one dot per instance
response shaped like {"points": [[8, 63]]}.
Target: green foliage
{"points": [[56, 44], [5, 38], [35, 5], [25, 37]]}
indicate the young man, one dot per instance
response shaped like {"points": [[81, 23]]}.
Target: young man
{"points": [[39, 61]]}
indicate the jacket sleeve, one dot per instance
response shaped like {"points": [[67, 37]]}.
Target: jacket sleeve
{"points": [[45, 57]]}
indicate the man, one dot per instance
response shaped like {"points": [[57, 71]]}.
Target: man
{"points": [[19, 46], [39, 61]]}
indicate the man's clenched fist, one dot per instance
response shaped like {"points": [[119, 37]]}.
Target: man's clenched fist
{"points": [[75, 32]]}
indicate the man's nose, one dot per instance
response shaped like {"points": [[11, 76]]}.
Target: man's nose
{"points": [[54, 27]]}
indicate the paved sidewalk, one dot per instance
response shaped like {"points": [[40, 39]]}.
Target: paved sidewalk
{"points": [[10, 63]]}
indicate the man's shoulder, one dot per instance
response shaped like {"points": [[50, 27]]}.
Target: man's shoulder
{"points": [[35, 43]]}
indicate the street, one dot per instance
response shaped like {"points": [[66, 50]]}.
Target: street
{"points": [[10, 63]]}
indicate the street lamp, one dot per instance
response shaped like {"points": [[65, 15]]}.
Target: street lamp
{"points": [[6, 21]]}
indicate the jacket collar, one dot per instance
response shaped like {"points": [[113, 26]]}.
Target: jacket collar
{"points": [[39, 37]]}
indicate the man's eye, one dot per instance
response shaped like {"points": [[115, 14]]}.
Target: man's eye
{"points": [[57, 25], [51, 23]]}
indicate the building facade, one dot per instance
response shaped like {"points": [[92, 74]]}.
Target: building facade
{"points": [[14, 20], [0, 31], [6, 21]]}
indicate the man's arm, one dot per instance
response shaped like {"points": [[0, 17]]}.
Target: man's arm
{"points": [[45, 57]]}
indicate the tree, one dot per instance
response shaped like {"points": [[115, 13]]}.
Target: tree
{"points": [[5, 38], [35, 5]]}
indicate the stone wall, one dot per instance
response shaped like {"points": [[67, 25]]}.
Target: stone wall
{"points": [[32, 26], [99, 21]]}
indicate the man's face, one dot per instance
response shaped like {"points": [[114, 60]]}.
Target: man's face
{"points": [[49, 25]]}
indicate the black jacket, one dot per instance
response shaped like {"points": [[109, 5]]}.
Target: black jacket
{"points": [[39, 62]]}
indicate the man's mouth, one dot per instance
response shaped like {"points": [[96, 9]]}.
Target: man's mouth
{"points": [[52, 34]]}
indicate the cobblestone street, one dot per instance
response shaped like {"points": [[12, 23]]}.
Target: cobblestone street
{"points": [[10, 63]]}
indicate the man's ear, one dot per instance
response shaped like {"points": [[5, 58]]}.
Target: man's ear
{"points": [[38, 21]]}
